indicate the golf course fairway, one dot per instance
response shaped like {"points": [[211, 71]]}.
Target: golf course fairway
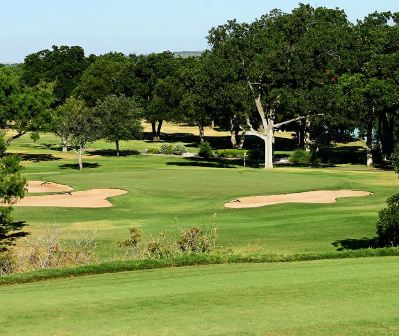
{"points": [[329, 297]]}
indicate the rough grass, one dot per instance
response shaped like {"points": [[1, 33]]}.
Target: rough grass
{"points": [[330, 297]]}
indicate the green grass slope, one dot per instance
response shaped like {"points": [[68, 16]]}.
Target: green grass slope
{"points": [[330, 297]]}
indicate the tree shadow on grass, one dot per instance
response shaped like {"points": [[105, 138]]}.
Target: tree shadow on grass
{"points": [[355, 244], [37, 157], [112, 152], [8, 239], [76, 166], [202, 162]]}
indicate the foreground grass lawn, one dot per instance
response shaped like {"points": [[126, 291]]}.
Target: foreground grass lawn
{"points": [[330, 297], [169, 193]]}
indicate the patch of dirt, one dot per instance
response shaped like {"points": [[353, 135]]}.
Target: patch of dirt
{"points": [[46, 187], [319, 196], [94, 198]]}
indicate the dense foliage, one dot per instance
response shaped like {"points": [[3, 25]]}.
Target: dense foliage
{"points": [[310, 71]]}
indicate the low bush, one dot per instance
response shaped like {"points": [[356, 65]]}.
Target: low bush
{"points": [[166, 149], [395, 160], [230, 153], [7, 263], [196, 240], [135, 237], [48, 250], [191, 240], [179, 149], [255, 155], [152, 151], [301, 156], [388, 223], [205, 150]]}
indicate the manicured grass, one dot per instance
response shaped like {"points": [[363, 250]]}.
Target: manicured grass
{"points": [[169, 193], [330, 297]]}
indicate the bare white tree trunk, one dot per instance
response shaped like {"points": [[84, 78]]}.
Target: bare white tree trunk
{"points": [[266, 132], [369, 145], [79, 152], [269, 148], [64, 144], [307, 141]]}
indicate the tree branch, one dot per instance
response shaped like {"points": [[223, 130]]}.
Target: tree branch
{"points": [[16, 136], [254, 131], [292, 120], [288, 121]]}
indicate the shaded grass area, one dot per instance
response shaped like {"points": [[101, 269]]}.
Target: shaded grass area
{"points": [[330, 297], [186, 260]]}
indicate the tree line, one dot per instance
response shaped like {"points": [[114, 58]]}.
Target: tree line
{"points": [[310, 71]]}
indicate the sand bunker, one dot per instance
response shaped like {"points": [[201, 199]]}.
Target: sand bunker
{"points": [[46, 187], [95, 198], [320, 196]]}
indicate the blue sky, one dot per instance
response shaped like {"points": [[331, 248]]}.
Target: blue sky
{"points": [[133, 26]]}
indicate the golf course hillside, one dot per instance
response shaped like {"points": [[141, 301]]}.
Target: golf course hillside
{"points": [[169, 193], [199, 168]]}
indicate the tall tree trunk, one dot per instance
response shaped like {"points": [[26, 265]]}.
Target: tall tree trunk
{"points": [[213, 124], [80, 150], [160, 122], [233, 134], [201, 132], [269, 148], [64, 145], [307, 142], [240, 144], [156, 130], [117, 148], [369, 144]]}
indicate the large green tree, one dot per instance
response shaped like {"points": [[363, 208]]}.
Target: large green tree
{"points": [[277, 57], [78, 123], [12, 187], [152, 80], [62, 66], [120, 119], [107, 75], [23, 108]]}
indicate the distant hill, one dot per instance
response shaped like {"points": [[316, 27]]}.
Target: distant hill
{"points": [[10, 64], [185, 54]]}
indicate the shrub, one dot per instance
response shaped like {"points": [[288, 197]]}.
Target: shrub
{"points": [[195, 240], [157, 248], [152, 151], [230, 153], [7, 263], [166, 149], [135, 237], [192, 240], [395, 160], [47, 250], [300, 156], [179, 149], [388, 223], [255, 154], [205, 150]]}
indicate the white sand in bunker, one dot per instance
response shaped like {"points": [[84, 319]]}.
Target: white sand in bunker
{"points": [[46, 187], [319, 196], [94, 198]]}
